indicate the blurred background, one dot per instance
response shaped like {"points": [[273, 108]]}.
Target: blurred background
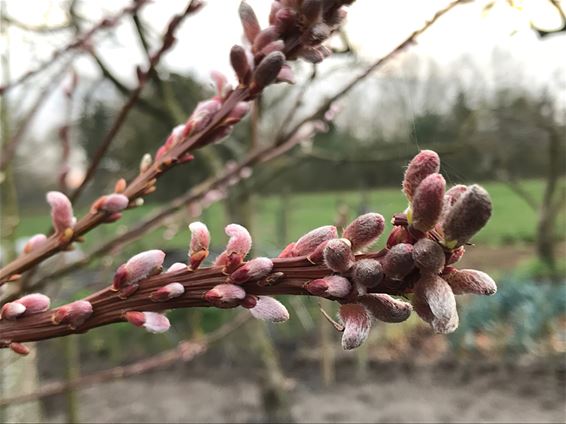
{"points": [[484, 86]]}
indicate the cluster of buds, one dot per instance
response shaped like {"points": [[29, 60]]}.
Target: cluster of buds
{"points": [[416, 265]]}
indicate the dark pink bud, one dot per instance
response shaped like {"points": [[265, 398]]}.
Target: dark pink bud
{"points": [[275, 7], [310, 241], [114, 203], [435, 303], [427, 203], [364, 230], [429, 256], [285, 20], [331, 286], [468, 215], [269, 309], [138, 267], [287, 252], [26, 305], [236, 115], [240, 240], [399, 234], [249, 21], [338, 255], [318, 33], [220, 82], [170, 291], [19, 348], [452, 197], [203, 114], [252, 270], [386, 308], [225, 295], [267, 70], [153, 322], [313, 54], [74, 314], [317, 257], [176, 267], [336, 18], [357, 323], [12, 310], [398, 262], [240, 64], [35, 242], [311, 11], [367, 273], [61, 211], [249, 302], [456, 255], [464, 281], [264, 38], [286, 74], [200, 240], [425, 163]]}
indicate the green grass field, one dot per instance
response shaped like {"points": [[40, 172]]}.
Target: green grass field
{"points": [[512, 222]]}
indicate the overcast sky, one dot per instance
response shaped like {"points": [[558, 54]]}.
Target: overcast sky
{"points": [[374, 28]]}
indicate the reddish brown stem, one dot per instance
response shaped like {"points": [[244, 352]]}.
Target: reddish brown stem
{"points": [[109, 308]]}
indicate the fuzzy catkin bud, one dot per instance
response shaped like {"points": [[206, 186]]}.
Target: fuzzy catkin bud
{"points": [[364, 230], [269, 309], [153, 322], [27, 305], [35, 242], [308, 243], [176, 267], [225, 295], [74, 314], [170, 291], [386, 308], [367, 272], [451, 197], [311, 11], [429, 256], [422, 165], [114, 203], [198, 248], [287, 252], [398, 262], [240, 64], [264, 38], [427, 203], [471, 281], [249, 21], [252, 270], [138, 267], [468, 215], [435, 303], [240, 240], [338, 255], [333, 285], [61, 211], [267, 70], [357, 323]]}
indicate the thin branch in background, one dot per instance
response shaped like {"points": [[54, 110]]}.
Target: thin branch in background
{"points": [[186, 351], [81, 42], [167, 43], [64, 136], [9, 149]]}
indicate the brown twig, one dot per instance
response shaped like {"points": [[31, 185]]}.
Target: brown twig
{"points": [[9, 149], [144, 183], [186, 351], [109, 308], [411, 39], [154, 59], [80, 42]]}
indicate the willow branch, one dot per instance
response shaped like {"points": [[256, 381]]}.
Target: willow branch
{"points": [[10, 148], [154, 59], [79, 42], [410, 40]]}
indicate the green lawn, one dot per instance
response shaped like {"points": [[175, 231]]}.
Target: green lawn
{"points": [[512, 222]]}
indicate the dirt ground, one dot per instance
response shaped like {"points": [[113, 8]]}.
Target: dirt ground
{"points": [[390, 393]]}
